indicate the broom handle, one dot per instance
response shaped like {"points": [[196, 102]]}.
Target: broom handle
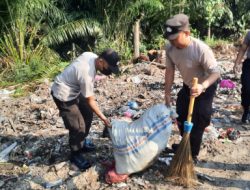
{"points": [[191, 102]]}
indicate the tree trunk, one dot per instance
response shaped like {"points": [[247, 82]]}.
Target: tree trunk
{"points": [[73, 51], [137, 38], [209, 31]]}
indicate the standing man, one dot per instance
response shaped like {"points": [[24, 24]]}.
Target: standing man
{"points": [[245, 76], [73, 93], [192, 58]]}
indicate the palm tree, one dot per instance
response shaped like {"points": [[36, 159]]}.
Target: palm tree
{"points": [[49, 24], [28, 28]]}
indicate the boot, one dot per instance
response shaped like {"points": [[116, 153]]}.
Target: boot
{"points": [[78, 160], [244, 118]]}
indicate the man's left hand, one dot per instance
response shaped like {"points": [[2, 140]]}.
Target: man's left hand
{"points": [[236, 68], [196, 91]]}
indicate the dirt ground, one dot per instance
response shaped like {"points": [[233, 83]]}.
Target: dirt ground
{"points": [[41, 153]]}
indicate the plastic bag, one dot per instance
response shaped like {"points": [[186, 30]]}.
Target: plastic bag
{"points": [[138, 143]]}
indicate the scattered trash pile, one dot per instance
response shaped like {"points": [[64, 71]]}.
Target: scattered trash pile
{"points": [[223, 135], [34, 143]]}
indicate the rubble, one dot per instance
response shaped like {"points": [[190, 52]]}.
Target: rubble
{"points": [[41, 151]]}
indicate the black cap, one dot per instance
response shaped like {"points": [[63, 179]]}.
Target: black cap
{"points": [[174, 25], [112, 58]]}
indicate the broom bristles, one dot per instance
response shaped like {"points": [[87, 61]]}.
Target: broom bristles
{"points": [[182, 168]]}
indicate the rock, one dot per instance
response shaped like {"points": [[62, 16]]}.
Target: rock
{"points": [[73, 173], [34, 185], [60, 166], [139, 181], [86, 180], [36, 99], [2, 119], [121, 185]]}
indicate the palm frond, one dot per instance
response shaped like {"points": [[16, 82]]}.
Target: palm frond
{"points": [[79, 28], [148, 6], [36, 9]]}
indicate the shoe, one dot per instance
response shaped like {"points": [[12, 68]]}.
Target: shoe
{"points": [[175, 147], [88, 146], [244, 118], [80, 161], [105, 133], [195, 160]]}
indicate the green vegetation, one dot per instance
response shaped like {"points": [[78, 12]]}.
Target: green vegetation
{"points": [[215, 42], [38, 38], [19, 92]]}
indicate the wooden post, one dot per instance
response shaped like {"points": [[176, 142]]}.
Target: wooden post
{"points": [[137, 38], [73, 51]]}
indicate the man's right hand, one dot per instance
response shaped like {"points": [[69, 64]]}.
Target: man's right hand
{"points": [[107, 122], [93, 105]]}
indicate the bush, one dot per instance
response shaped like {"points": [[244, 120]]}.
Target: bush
{"points": [[215, 42], [37, 67], [121, 46], [22, 58]]}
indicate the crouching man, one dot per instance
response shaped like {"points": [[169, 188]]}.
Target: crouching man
{"points": [[73, 93]]}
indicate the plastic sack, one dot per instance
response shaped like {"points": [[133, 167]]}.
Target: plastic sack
{"points": [[138, 143], [112, 177], [227, 84]]}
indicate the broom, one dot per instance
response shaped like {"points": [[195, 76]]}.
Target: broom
{"points": [[181, 169]]}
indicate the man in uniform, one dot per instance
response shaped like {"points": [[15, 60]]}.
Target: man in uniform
{"points": [[245, 76], [73, 93], [192, 58]]}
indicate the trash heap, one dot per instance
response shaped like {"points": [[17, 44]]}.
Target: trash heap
{"points": [[34, 143]]}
